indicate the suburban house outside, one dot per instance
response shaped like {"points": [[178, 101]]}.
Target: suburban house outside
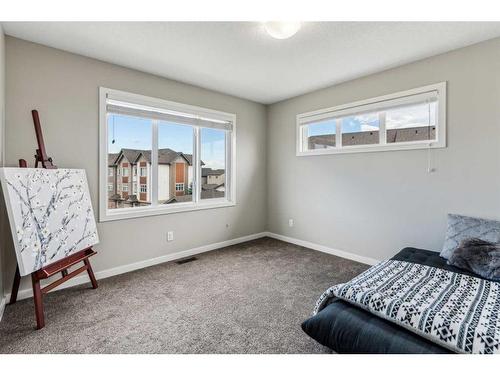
{"points": [[129, 178], [420, 133]]}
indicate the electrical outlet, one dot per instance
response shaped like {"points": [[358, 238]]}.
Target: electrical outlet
{"points": [[170, 236], [290, 223]]}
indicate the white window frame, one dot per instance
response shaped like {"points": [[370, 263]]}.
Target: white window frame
{"points": [[106, 214], [179, 186], [110, 172], [145, 188], [125, 171], [374, 105], [125, 188], [110, 187]]}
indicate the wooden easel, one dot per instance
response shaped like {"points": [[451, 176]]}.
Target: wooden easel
{"points": [[61, 266]]}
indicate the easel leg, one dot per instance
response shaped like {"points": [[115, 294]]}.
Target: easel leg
{"points": [[37, 295], [15, 287], [91, 273]]}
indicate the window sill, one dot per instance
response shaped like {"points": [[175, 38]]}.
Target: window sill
{"points": [[374, 148], [131, 213]]}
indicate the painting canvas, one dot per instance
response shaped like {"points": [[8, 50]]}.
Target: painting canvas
{"points": [[50, 214]]}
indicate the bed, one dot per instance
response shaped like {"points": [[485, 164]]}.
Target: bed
{"points": [[345, 328]]}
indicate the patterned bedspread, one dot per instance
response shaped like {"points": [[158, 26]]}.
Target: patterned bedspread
{"points": [[456, 311]]}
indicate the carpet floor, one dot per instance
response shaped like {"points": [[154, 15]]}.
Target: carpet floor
{"points": [[246, 298]]}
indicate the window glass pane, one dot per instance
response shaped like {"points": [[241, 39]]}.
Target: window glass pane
{"points": [[320, 135], [411, 123], [360, 129], [213, 160], [175, 163], [129, 143]]}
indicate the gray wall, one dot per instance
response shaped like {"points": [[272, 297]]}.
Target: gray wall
{"points": [[373, 204], [2, 118], [370, 204], [64, 88]]}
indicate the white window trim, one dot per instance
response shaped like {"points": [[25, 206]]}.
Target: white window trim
{"points": [[106, 214], [181, 184], [374, 103]]}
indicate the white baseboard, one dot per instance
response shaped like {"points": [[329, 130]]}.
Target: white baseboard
{"points": [[324, 249], [27, 293]]}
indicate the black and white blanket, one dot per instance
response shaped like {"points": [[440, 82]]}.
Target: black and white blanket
{"points": [[456, 311]]}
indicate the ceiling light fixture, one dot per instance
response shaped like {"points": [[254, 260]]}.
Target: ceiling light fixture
{"points": [[282, 30]]}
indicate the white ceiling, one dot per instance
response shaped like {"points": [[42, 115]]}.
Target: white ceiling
{"points": [[240, 59]]}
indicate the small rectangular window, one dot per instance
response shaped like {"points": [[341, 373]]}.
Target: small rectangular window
{"points": [[213, 156], [175, 162], [321, 135], [144, 188], [110, 187], [129, 143], [411, 123], [359, 130], [410, 119]]}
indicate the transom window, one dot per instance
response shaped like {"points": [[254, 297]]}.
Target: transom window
{"points": [[405, 120], [169, 149]]}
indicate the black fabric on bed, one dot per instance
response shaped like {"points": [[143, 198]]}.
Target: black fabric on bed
{"points": [[429, 258], [345, 328]]}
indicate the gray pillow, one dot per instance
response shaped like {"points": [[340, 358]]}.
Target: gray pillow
{"points": [[478, 256], [464, 227]]}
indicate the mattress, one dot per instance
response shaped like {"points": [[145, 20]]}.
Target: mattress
{"points": [[345, 328]]}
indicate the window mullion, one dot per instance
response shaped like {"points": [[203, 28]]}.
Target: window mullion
{"points": [[382, 132], [338, 133], [154, 165], [196, 165]]}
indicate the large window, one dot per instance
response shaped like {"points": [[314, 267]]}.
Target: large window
{"points": [[405, 120], [169, 157]]}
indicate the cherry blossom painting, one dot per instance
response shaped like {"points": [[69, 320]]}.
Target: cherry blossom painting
{"points": [[50, 214]]}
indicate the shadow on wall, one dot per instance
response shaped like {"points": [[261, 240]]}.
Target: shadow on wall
{"points": [[7, 253]]}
